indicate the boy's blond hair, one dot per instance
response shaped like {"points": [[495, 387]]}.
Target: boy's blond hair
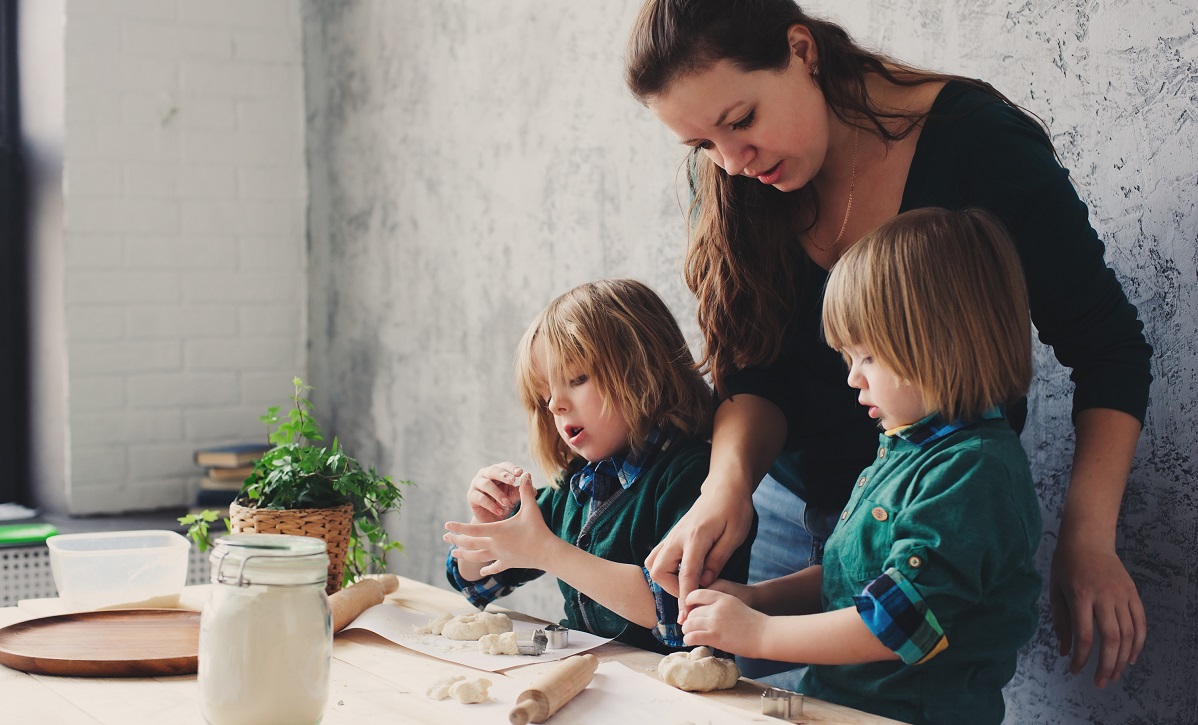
{"points": [[939, 297], [620, 333]]}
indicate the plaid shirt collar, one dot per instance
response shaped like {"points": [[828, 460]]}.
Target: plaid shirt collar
{"points": [[933, 427], [600, 480]]}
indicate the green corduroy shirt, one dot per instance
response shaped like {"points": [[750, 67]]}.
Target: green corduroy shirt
{"points": [[627, 530], [958, 518]]}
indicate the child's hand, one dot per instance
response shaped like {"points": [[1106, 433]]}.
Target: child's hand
{"points": [[722, 621], [744, 592], [520, 542], [494, 491]]}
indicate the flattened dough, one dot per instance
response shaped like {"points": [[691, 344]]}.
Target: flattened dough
{"points": [[499, 644], [698, 671], [472, 627]]}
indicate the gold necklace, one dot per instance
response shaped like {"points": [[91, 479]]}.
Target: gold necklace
{"points": [[847, 209]]}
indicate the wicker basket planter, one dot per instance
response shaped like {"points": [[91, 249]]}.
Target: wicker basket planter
{"points": [[331, 524], [305, 487]]}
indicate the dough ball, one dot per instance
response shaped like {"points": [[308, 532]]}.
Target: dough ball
{"points": [[434, 625], [439, 690], [499, 644], [473, 626], [469, 692], [698, 671]]}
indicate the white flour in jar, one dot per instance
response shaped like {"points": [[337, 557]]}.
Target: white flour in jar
{"points": [[264, 655]]}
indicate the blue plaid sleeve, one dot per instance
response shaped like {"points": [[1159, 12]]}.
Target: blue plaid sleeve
{"points": [[900, 618], [484, 591], [667, 631]]}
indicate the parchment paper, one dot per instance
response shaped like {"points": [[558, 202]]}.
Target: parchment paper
{"points": [[399, 625], [618, 695]]}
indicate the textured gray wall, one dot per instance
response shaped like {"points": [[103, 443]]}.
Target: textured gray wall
{"points": [[468, 160]]}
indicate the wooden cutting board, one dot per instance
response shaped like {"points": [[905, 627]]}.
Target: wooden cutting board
{"points": [[118, 643]]}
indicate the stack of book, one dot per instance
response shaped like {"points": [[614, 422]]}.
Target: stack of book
{"points": [[225, 469]]}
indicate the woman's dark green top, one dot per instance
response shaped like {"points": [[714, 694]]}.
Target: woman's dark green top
{"points": [[974, 152]]}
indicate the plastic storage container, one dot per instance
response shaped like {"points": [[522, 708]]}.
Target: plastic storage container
{"points": [[119, 569]]}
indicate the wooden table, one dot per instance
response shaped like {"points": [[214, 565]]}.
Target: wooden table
{"points": [[372, 680]]}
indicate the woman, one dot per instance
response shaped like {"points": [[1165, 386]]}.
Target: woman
{"points": [[803, 142]]}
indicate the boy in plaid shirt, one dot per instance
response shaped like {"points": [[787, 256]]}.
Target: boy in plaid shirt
{"points": [[619, 415]]}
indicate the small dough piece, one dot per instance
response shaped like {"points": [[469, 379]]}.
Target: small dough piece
{"points": [[434, 625], [439, 690], [499, 644], [470, 692], [473, 626], [698, 671]]}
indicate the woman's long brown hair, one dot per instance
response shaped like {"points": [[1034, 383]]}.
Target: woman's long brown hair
{"points": [[743, 257]]}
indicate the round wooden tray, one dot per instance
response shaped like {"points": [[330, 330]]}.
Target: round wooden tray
{"points": [[117, 643]]}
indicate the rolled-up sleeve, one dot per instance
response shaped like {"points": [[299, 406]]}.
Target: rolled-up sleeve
{"points": [[893, 610], [484, 591], [667, 631]]}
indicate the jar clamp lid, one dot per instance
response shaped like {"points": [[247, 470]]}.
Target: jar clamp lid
{"points": [[276, 559]]}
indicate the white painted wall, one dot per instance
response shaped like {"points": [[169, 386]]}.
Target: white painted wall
{"points": [[183, 260], [470, 159]]}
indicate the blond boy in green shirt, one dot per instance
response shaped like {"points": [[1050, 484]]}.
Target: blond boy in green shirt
{"points": [[928, 587]]}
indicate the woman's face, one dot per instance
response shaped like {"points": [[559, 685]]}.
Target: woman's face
{"points": [[769, 125]]}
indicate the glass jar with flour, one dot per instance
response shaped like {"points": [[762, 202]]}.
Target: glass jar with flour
{"points": [[266, 634]]}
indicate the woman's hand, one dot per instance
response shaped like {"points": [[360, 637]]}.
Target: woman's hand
{"points": [[721, 620], [747, 435], [1088, 586], [1090, 589], [494, 492], [700, 544], [519, 542]]}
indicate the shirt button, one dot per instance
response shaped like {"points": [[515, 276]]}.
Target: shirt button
{"points": [[879, 513], [881, 453], [915, 562], [844, 515], [861, 481]]}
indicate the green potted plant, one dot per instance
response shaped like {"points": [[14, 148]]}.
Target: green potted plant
{"points": [[303, 487]]}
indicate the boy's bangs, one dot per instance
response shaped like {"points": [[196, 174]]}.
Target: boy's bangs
{"points": [[564, 352], [843, 326], [530, 384]]}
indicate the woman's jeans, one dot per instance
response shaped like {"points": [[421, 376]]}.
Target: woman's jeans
{"points": [[790, 537]]}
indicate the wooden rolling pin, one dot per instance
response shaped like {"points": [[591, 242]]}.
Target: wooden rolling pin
{"points": [[363, 594], [553, 689]]}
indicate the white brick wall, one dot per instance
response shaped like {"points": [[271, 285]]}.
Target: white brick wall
{"points": [[185, 200]]}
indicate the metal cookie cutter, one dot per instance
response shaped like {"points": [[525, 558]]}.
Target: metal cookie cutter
{"points": [[531, 642], [559, 636], [785, 704]]}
